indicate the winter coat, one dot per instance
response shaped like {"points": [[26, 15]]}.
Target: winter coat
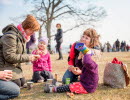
{"points": [[59, 36], [89, 77], [12, 51]]}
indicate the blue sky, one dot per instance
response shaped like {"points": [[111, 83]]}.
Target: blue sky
{"points": [[115, 25]]}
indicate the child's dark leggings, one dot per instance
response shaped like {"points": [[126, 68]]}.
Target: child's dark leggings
{"points": [[20, 82], [61, 89]]}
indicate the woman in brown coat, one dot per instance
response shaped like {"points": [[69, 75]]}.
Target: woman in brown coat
{"points": [[13, 47]]}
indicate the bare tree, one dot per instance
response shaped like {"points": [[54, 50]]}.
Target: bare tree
{"points": [[46, 11]]}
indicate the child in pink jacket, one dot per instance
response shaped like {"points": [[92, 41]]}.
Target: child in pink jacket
{"points": [[42, 67]]}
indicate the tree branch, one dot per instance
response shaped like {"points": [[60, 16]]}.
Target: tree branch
{"points": [[61, 8], [62, 14]]}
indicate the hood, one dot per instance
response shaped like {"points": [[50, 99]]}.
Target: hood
{"points": [[12, 27]]}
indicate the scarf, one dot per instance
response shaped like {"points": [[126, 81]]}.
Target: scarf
{"points": [[20, 28]]}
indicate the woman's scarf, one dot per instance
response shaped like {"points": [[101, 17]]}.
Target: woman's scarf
{"points": [[20, 28]]}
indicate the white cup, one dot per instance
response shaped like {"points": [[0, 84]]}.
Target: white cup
{"points": [[8, 73], [29, 85], [8, 70]]}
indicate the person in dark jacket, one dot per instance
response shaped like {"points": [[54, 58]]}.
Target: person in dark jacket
{"points": [[13, 48], [59, 40], [117, 42]]}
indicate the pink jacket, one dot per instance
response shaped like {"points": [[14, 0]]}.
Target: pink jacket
{"points": [[43, 63]]}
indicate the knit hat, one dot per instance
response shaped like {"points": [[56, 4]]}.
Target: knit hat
{"points": [[44, 39]]}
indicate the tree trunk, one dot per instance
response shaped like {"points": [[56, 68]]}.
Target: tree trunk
{"points": [[48, 29], [40, 32]]}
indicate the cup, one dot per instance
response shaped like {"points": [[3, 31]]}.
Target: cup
{"points": [[8, 70], [8, 73], [49, 81], [29, 85], [81, 47], [67, 81]]}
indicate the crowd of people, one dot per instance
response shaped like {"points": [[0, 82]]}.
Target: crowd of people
{"points": [[116, 46]]}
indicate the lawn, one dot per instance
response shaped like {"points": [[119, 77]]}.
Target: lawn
{"points": [[59, 67]]}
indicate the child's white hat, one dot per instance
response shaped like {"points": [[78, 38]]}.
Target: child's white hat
{"points": [[44, 39]]}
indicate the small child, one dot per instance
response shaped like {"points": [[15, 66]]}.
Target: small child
{"points": [[86, 67], [42, 67]]}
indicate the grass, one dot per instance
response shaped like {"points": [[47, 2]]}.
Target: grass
{"points": [[59, 67]]}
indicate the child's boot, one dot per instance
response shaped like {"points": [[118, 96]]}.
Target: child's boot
{"points": [[48, 88]]}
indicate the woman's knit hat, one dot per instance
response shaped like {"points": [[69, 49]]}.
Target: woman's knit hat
{"points": [[44, 39]]}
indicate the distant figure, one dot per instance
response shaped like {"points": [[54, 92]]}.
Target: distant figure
{"points": [[114, 47], [42, 67], [108, 46], [105, 47], [117, 45], [59, 40], [124, 45], [30, 43], [127, 47]]}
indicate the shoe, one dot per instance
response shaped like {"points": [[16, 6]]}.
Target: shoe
{"points": [[48, 88], [24, 86], [60, 59]]}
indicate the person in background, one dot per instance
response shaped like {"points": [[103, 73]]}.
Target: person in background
{"points": [[8, 89], [117, 42], [42, 67], [13, 48], [108, 46], [127, 47], [29, 45], [59, 40]]}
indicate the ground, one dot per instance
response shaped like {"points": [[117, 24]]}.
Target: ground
{"points": [[59, 67]]}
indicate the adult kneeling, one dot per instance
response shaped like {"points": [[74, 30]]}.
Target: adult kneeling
{"points": [[13, 48]]}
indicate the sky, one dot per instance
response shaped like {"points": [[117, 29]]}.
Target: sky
{"points": [[115, 25]]}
